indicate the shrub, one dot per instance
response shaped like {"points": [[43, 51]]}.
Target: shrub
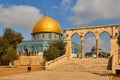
{"points": [[56, 49], [51, 54]]}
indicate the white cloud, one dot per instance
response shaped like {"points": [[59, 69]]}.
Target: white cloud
{"points": [[65, 1], [90, 42], [20, 17], [65, 4], [55, 7], [86, 11], [64, 7]]}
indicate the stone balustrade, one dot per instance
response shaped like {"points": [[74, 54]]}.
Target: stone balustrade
{"points": [[51, 64], [29, 60]]}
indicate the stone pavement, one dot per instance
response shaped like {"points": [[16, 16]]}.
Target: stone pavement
{"points": [[75, 69], [55, 75], [115, 77]]}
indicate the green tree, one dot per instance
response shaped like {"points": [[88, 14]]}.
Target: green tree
{"points": [[93, 50], [56, 49], [8, 44], [51, 53], [4, 44], [60, 46], [1, 40], [10, 55], [13, 37]]}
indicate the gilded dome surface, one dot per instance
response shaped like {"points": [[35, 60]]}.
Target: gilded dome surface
{"points": [[47, 24]]}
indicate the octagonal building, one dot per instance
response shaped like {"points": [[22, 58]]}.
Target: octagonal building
{"points": [[45, 30]]}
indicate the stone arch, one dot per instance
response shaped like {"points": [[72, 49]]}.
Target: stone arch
{"points": [[104, 44], [89, 32], [89, 36], [75, 34], [75, 44], [105, 32]]}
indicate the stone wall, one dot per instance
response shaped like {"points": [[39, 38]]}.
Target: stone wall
{"points": [[29, 60]]}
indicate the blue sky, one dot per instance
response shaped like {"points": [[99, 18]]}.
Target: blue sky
{"points": [[21, 15], [56, 9]]}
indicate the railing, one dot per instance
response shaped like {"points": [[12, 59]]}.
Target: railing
{"points": [[51, 64]]}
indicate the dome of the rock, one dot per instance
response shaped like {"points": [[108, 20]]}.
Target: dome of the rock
{"points": [[47, 24]]}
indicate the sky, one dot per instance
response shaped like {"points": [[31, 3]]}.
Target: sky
{"points": [[21, 15]]}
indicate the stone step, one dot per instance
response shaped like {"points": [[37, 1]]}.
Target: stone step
{"points": [[82, 65]]}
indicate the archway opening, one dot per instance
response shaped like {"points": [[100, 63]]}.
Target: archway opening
{"points": [[104, 45], [89, 45], [75, 45]]}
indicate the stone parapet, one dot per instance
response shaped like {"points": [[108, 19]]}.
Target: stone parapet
{"points": [[31, 60], [51, 64]]}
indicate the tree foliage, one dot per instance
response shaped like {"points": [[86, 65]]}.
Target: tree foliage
{"points": [[12, 37], [60, 46], [8, 44], [56, 49], [51, 53], [10, 54], [93, 49], [4, 44]]}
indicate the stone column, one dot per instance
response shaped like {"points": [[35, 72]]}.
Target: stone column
{"points": [[22, 53], [114, 53], [28, 53], [82, 47], [34, 53], [68, 49], [97, 48]]}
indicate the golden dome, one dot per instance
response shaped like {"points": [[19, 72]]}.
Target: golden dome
{"points": [[47, 24]]}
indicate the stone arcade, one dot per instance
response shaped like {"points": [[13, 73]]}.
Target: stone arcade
{"points": [[112, 30]]}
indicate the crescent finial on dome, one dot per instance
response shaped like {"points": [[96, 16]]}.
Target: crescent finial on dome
{"points": [[47, 13]]}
